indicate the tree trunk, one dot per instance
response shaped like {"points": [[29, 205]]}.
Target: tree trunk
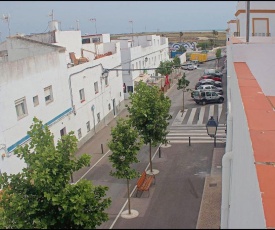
{"points": [[129, 205], [183, 100], [150, 151]]}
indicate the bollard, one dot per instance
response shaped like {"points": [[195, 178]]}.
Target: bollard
{"points": [[189, 141], [72, 179], [102, 148], [159, 152]]}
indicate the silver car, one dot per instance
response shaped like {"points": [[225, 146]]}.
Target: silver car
{"points": [[211, 88]]}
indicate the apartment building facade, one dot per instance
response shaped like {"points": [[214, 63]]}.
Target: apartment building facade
{"points": [[52, 77], [70, 82], [141, 55]]}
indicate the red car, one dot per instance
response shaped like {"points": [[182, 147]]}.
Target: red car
{"points": [[215, 78]]}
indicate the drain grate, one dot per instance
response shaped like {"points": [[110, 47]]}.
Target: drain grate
{"points": [[213, 185]]}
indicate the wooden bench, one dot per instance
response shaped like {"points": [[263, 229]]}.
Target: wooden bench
{"points": [[144, 183]]}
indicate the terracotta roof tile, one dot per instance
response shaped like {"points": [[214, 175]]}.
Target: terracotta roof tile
{"points": [[261, 124]]}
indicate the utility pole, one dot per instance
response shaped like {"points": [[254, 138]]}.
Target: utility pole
{"points": [[247, 20], [94, 20], [132, 32]]}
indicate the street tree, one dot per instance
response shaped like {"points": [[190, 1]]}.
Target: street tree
{"points": [[181, 49], [176, 64], [149, 113], [181, 34], [165, 69], [218, 55], [124, 145], [183, 83], [214, 32], [176, 61], [41, 196]]}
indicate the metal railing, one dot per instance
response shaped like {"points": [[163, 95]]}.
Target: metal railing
{"points": [[261, 34]]}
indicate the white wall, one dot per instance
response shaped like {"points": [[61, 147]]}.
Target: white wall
{"points": [[31, 75], [245, 210], [83, 77], [71, 40]]}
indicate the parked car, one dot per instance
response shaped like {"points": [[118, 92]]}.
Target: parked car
{"points": [[204, 97], [215, 78], [208, 82], [192, 67], [204, 82], [212, 71], [195, 62], [219, 74], [211, 88]]}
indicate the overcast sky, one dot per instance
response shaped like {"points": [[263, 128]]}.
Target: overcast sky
{"points": [[113, 16]]}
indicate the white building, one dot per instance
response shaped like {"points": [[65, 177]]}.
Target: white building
{"points": [[141, 55], [59, 80], [248, 171]]}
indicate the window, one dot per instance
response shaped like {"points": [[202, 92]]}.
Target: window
{"points": [[79, 133], [88, 126], [86, 40], [129, 89], [48, 92], [98, 117], [82, 95], [106, 81], [63, 132], [95, 40], [21, 108], [35, 101], [96, 87], [208, 94]]}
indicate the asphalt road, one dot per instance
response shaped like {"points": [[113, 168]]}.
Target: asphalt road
{"points": [[174, 201]]}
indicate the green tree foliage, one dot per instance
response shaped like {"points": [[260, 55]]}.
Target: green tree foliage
{"points": [[124, 145], [149, 113], [165, 68], [182, 49], [203, 45], [176, 61], [41, 196], [183, 83], [218, 54]]}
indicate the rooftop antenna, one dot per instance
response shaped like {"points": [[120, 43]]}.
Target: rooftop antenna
{"points": [[51, 15], [6, 18], [77, 24]]}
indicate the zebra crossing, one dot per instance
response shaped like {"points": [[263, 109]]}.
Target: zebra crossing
{"points": [[190, 125]]}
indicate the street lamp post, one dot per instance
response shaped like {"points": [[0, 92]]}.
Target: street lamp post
{"points": [[211, 128], [94, 20]]}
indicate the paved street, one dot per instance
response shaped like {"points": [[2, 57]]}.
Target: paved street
{"points": [[187, 192]]}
